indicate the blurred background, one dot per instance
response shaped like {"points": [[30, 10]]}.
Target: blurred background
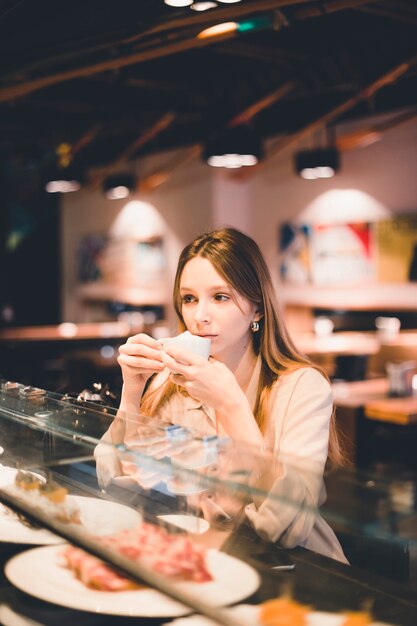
{"points": [[128, 128]]}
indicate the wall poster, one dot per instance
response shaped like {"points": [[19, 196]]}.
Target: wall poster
{"points": [[397, 249], [349, 254]]}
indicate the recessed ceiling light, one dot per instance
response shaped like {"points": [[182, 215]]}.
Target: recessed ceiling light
{"points": [[118, 186], [318, 163], [233, 147]]}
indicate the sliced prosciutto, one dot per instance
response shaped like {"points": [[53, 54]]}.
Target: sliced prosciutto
{"points": [[175, 556]]}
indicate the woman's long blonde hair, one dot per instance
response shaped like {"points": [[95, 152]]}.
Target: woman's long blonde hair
{"points": [[239, 261]]}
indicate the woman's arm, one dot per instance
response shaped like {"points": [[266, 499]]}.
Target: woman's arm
{"points": [[139, 358], [300, 416]]}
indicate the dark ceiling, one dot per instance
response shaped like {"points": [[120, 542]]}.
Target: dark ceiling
{"points": [[121, 78]]}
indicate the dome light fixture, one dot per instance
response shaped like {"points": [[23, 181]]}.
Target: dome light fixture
{"points": [[119, 186], [62, 180], [317, 163], [233, 148]]}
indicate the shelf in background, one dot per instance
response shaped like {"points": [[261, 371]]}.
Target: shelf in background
{"points": [[386, 296], [135, 296]]}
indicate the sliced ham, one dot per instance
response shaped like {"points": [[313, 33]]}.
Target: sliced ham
{"points": [[175, 556]]}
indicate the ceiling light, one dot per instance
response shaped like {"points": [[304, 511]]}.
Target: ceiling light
{"points": [[318, 163], [233, 148], [118, 186], [218, 29], [178, 3], [62, 180], [203, 6], [229, 1]]}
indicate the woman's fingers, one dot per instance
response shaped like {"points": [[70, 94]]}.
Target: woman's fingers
{"points": [[144, 339], [175, 366], [142, 347], [139, 349], [140, 363]]}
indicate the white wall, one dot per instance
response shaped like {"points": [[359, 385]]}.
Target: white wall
{"points": [[373, 183], [184, 204]]}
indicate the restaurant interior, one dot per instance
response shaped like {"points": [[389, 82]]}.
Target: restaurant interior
{"points": [[128, 128]]}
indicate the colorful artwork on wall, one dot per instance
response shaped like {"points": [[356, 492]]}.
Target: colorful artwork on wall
{"points": [[349, 254], [396, 242]]}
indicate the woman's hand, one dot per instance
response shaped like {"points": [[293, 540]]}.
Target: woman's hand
{"points": [[209, 381], [139, 358], [213, 383]]}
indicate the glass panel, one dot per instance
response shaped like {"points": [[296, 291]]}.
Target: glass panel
{"points": [[174, 508]]}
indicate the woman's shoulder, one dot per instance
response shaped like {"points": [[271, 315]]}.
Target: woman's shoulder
{"points": [[305, 376]]}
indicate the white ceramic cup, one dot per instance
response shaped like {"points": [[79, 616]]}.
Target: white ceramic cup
{"points": [[187, 341]]}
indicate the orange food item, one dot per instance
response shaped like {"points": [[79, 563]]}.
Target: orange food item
{"points": [[53, 491], [357, 618], [283, 612], [27, 481]]}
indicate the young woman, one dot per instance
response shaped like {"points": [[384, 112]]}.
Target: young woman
{"points": [[255, 388]]}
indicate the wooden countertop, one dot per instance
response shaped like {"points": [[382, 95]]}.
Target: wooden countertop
{"points": [[358, 393], [68, 331], [402, 411], [343, 343], [372, 395]]}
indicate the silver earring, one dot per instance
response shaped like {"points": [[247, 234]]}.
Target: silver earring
{"points": [[254, 327]]}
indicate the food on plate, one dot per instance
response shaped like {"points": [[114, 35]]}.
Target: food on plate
{"points": [[172, 555], [283, 611], [53, 491], [357, 618], [27, 480], [47, 495], [94, 573]]}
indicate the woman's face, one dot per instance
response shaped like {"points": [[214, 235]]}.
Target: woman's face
{"points": [[212, 308]]}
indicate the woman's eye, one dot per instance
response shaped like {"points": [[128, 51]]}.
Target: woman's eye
{"points": [[187, 298], [222, 297]]}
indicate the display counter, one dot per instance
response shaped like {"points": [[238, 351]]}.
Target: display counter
{"points": [[170, 520]]}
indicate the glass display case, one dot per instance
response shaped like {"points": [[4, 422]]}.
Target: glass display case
{"points": [[103, 533]]}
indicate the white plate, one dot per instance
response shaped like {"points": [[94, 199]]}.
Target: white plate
{"points": [[7, 475], [100, 517], [190, 523], [247, 614], [38, 573]]}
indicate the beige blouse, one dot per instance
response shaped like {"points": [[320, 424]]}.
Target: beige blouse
{"points": [[297, 432]]}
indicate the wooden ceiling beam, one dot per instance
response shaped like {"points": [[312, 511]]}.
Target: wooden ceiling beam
{"points": [[367, 136], [158, 50], [261, 53], [263, 103], [152, 49], [390, 13], [162, 174], [85, 139], [321, 122], [331, 6], [144, 138], [234, 12]]}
